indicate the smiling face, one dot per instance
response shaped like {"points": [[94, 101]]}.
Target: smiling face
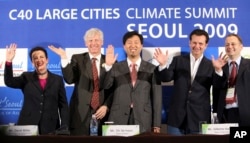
{"points": [[94, 44], [133, 47], [40, 61], [197, 45], [93, 39], [233, 47]]}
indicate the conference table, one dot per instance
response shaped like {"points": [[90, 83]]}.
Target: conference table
{"points": [[142, 138]]}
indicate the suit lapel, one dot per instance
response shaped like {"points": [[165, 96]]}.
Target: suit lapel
{"points": [[36, 81], [88, 65], [243, 65], [125, 67], [226, 70], [140, 72], [50, 81], [202, 66], [187, 67], [102, 70]]}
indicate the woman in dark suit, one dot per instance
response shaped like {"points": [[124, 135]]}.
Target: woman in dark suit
{"points": [[45, 101]]}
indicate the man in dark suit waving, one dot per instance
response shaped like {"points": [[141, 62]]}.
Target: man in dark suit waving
{"points": [[79, 72], [193, 75], [231, 101]]}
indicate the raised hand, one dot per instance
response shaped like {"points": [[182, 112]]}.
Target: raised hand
{"points": [[110, 57], [10, 52], [160, 57], [220, 62], [59, 51]]}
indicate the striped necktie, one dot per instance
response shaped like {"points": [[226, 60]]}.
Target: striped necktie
{"points": [[95, 95]]}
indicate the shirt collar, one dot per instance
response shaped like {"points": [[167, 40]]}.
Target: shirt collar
{"points": [[97, 57], [192, 58], [237, 61], [138, 62]]}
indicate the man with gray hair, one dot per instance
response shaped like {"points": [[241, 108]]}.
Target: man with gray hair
{"points": [[87, 72]]}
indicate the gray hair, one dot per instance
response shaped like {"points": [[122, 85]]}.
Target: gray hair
{"points": [[92, 32]]}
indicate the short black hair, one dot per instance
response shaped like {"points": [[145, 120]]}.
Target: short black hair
{"points": [[199, 32], [38, 48], [130, 34]]}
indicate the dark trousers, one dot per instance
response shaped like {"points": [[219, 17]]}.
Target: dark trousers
{"points": [[231, 115], [131, 119], [84, 126]]}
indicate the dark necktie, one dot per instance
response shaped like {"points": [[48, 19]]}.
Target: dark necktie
{"points": [[95, 95], [232, 81], [133, 74], [232, 78]]}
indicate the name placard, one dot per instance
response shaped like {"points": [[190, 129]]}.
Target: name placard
{"points": [[218, 129], [120, 130], [17, 130]]}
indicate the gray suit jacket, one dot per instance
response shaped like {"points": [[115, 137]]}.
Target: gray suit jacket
{"points": [[146, 96]]}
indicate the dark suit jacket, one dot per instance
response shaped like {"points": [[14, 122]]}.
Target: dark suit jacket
{"points": [[79, 72], [146, 96], [40, 107], [242, 88], [190, 103]]}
